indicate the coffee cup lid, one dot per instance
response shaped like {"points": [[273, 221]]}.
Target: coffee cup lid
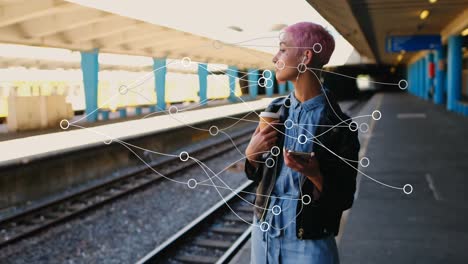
{"points": [[269, 114]]}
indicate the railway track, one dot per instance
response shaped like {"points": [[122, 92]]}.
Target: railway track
{"points": [[214, 237], [30, 222]]}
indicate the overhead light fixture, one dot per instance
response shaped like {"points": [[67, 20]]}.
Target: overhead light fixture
{"points": [[424, 14], [400, 57], [432, 1], [465, 32], [236, 28]]}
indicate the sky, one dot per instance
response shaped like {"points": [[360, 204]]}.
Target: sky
{"points": [[213, 19]]}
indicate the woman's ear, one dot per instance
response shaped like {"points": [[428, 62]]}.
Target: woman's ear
{"points": [[307, 57]]}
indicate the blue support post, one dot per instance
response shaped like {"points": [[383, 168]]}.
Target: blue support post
{"points": [[429, 79], [420, 77], [439, 88], [454, 69], [160, 70], [410, 79], [412, 83], [416, 75], [282, 88], [90, 69], [290, 86], [424, 78], [408, 76], [232, 73], [138, 110], [253, 82], [105, 114], [269, 83], [203, 82], [123, 112]]}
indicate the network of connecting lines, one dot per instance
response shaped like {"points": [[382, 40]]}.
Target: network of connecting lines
{"points": [[264, 80]]}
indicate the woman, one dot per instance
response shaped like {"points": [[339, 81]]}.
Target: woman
{"points": [[299, 202]]}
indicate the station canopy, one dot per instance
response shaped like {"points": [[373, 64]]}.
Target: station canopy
{"points": [[62, 24], [367, 23]]}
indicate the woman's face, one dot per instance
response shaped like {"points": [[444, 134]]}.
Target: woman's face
{"points": [[286, 60]]}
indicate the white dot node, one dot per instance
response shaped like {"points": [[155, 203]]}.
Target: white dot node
{"points": [[261, 82], [317, 47], [302, 139], [302, 67], [123, 89], [353, 126], [364, 162], [403, 84], [376, 115], [264, 226], [214, 130], [280, 65], [282, 36], [108, 141], [184, 156], [64, 124], [270, 163], [275, 151], [217, 44], [267, 74], [276, 210], [363, 127], [186, 61], [408, 189], [288, 124], [192, 183], [306, 199], [173, 109], [287, 103]]}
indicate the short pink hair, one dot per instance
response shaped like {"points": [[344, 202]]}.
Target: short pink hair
{"points": [[306, 34]]}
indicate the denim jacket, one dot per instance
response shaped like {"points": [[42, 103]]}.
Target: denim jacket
{"points": [[316, 218]]}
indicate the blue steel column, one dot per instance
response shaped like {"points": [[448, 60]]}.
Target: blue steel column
{"points": [[424, 78], [160, 70], [290, 86], [253, 82], [90, 69], [232, 73], [409, 77], [454, 69], [413, 79], [203, 81], [282, 88], [429, 79], [439, 88], [269, 88], [416, 78], [420, 78]]}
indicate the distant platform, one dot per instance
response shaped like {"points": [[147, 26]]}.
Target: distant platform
{"points": [[24, 150]]}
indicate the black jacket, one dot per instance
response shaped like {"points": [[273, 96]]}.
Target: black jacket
{"points": [[316, 218]]}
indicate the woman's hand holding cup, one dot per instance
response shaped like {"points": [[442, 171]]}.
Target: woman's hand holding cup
{"points": [[264, 137]]}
